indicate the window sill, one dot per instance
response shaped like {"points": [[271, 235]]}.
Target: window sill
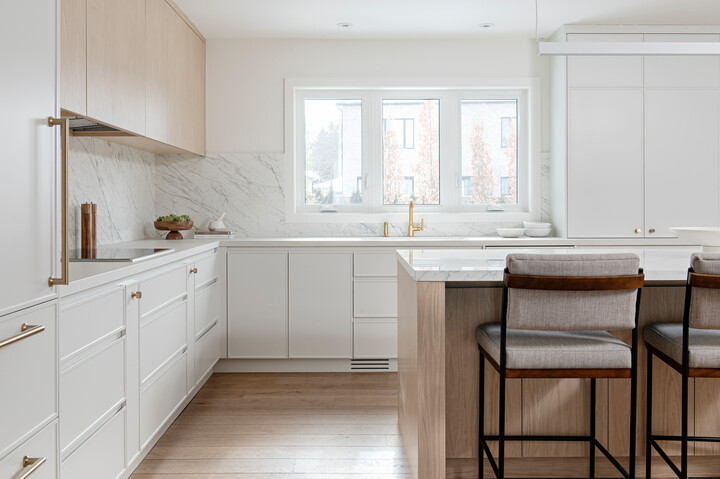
{"points": [[395, 217]]}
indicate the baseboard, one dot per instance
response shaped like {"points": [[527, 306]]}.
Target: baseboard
{"points": [[298, 366]]}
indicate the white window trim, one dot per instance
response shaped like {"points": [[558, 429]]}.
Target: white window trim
{"points": [[452, 209]]}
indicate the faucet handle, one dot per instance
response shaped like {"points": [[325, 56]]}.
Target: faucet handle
{"points": [[422, 224]]}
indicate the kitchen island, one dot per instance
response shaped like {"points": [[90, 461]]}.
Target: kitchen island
{"points": [[444, 294]]}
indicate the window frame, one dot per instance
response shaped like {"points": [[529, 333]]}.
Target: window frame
{"points": [[450, 92]]}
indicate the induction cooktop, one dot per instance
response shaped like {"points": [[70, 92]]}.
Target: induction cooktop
{"points": [[129, 255]]}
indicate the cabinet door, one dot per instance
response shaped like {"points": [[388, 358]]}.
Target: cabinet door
{"points": [[682, 132], [160, 17], [605, 163], [320, 305], [116, 63], [257, 305], [598, 71], [681, 71], [27, 182], [73, 56]]}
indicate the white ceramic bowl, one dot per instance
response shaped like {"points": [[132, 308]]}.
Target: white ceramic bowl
{"points": [[708, 237], [510, 232], [536, 225], [537, 232]]}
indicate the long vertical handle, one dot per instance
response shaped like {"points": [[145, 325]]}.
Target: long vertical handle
{"points": [[64, 145]]}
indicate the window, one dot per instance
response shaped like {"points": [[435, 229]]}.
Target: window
{"points": [[370, 151]]}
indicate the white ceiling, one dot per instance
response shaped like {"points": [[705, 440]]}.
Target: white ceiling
{"points": [[413, 19]]}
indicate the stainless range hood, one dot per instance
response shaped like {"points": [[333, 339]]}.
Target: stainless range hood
{"points": [[79, 124]]}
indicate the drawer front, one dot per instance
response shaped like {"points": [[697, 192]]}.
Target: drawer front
{"points": [[160, 289], [375, 298], [207, 307], [207, 351], [28, 368], [41, 444], [207, 270], [102, 456], [88, 320], [160, 337], [89, 389], [375, 264], [375, 339], [161, 397]]}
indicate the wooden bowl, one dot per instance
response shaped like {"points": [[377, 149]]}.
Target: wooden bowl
{"points": [[174, 228]]}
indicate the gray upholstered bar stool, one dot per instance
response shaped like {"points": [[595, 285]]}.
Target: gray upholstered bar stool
{"points": [[556, 311], [692, 348]]}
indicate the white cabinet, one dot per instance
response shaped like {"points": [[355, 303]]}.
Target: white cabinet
{"points": [[257, 304], [643, 136], [102, 455], [27, 183], [204, 331], [41, 446], [320, 304], [605, 163]]}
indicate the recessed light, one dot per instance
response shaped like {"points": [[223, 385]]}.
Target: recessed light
{"points": [[345, 25], [486, 25]]}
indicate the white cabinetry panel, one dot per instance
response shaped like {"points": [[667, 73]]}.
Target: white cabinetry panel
{"points": [[374, 264], [605, 167], [160, 398], [375, 339], [207, 307], [375, 298], [42, 444], [605, 71], [257, 304], [207, 351], [162, 288], [681, 71], [102, 455], [28, 369], [161, 337], [682, 160], [320, 305]]}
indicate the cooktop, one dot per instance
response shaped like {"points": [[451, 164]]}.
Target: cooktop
{"points": [[117, 254]]}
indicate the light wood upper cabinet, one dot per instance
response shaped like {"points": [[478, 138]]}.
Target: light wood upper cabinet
{"points": [[116, 63], [136, 65], [73, 78]]}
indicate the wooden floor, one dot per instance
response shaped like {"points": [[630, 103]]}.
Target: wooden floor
{"points": [[315, 426], [284, 426]]}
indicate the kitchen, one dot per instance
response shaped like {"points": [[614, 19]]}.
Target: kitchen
{"points": [[278, 346]]}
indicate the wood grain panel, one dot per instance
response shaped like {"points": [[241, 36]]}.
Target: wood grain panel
{"points": [[158, 30], [707, 414], [116, 63], [73, 56], [407, 367]]}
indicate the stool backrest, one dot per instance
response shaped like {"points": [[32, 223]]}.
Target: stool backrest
{"points": [[572, 292], [705, 301]]}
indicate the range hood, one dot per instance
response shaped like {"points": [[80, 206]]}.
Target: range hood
{"points": [[79, 124]]}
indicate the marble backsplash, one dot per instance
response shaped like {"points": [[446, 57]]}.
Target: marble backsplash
{"points": [[120, 180], [250, 188]]}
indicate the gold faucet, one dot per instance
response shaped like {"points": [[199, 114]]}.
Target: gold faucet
{"points": [[411, 227]]}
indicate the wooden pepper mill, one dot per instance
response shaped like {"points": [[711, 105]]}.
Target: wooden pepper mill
{"points": [[88, 240]]}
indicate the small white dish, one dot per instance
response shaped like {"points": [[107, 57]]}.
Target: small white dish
{"points": [[510, 232], [537, 232]]}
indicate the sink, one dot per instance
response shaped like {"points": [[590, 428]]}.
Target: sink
{"points": [[707, 236]]}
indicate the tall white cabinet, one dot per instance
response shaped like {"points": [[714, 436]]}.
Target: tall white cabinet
{"points": [[642, 140]]}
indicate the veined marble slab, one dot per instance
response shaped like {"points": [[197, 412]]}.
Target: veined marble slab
{"points": [[659, 264]]}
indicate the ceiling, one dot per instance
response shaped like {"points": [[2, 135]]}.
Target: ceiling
{"points": [[431, 19]]}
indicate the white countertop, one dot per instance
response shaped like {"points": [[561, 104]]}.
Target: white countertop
{"points": [[85, 275], [660, 264]]}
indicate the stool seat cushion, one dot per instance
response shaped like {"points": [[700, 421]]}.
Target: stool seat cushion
{"points": [[531, 349], [704, 344]]}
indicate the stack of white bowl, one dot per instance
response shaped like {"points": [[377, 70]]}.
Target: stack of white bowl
{"points": [[537, 228]]}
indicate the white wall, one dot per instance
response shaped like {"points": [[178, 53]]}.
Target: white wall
{"points": [[245, 78]]}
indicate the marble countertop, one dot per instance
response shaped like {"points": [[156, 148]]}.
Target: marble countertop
{"points": [[661, 264], [86, 275]]}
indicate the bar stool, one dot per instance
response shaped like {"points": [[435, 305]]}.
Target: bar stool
{"points": [[692, 348], [556, 311]]}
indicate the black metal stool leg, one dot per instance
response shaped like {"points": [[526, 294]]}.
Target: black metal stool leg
{"points": [[592, 427], [501, 429], [633, 405], [684, 430], [481, 416], [648, 417]]}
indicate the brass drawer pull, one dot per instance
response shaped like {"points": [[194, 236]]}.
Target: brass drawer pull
{"points": [[27, 331], [194, 270], [136, 295], [651, 230], [33, 463]]}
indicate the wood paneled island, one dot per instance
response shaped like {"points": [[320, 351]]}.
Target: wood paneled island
{"points": [[444, 294]]}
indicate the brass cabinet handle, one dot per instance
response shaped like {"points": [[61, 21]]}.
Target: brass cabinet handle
{"points": [[65, 254], [33, 463], [194, 270], [136, 294], [27, 331], [638, 230], [651, 230]]}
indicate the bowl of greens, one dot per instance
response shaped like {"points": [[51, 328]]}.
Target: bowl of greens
{"points": [[174, 224]]}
